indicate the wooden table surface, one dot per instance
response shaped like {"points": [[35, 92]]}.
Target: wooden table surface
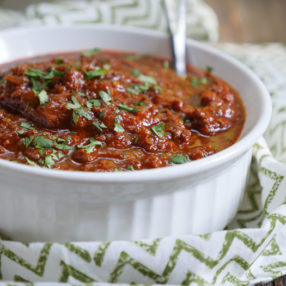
{"points": [[254, 21]]}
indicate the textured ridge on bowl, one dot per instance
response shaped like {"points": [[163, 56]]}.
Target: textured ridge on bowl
{"points": [[201, 196]]}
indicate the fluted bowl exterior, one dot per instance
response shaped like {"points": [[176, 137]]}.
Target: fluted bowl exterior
{"points": [[38, 204]]}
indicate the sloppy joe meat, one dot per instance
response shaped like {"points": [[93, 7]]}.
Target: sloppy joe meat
{"points": [[113, 111]]}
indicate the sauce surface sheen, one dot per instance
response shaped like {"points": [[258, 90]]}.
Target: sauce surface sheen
{"points": [[113, 111]]}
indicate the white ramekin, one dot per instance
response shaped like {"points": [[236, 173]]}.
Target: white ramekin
{"points": [[38, 204]]}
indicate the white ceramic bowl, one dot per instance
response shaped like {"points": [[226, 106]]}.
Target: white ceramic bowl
{"points": [[38, 204]]}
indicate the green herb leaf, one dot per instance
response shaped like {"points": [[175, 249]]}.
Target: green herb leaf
{"points": [[131, 168], [81, 94], [31, 163], [63, 146], [117, 127], [209, 69], [198, 81], [99, 126], [166, 64], [127, 108], [83, 113], [136, 140], [147, 79], [38, 86], [136, 72], [90, 53], [101, 115], [35, 73], [90, 147], [135, 88], [26, 125], [97, 72], [49, 161], [93, 103], [75, 117], [107, 66], [27, 141], [179, 159], [75, 104], [157, 87], [43, 97], [141, 103], [133, 57], [43, 142], [105, 97], [159, 129], [59, 61]]}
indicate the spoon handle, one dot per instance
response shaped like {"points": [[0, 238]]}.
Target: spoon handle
{"points": [[176, 19]]}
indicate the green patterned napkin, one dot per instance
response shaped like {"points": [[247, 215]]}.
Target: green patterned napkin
{"points": [[252, 250]]}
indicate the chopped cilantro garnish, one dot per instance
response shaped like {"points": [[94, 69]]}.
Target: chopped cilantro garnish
{"points": [[90, 147], [135, 88], [75, 117], [147, 79], [157, 87], [127, 108], [209, 69], [136, 72], [136, 140], [105, 97], [83, 113], [141, 103], [101, 115], [81, 94], [93, 103], [49, 161], [59, 61], [38, 86], [107, 66], [159, 129], [35, 73], [31, 163], [63, 146], [26, 125], [99, 126], [166, 64], [43, 97], [133, 57], [27, 141], [78, 110], [21, 131], [75, 104], [97, 72], [198, 81], [43, 142], [90, 53], [179, 159], [131, 168], [117, 127]]}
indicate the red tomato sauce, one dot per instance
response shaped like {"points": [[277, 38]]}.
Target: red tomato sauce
{"points": [[113, 111]]}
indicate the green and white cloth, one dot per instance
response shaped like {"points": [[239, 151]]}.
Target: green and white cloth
{"points": [[252, 250]]}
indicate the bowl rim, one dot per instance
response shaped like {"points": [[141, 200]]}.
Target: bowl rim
{"points": [[164, 173]]}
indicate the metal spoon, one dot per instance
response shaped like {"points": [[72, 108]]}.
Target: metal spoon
{"points": [[176, 19]]}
